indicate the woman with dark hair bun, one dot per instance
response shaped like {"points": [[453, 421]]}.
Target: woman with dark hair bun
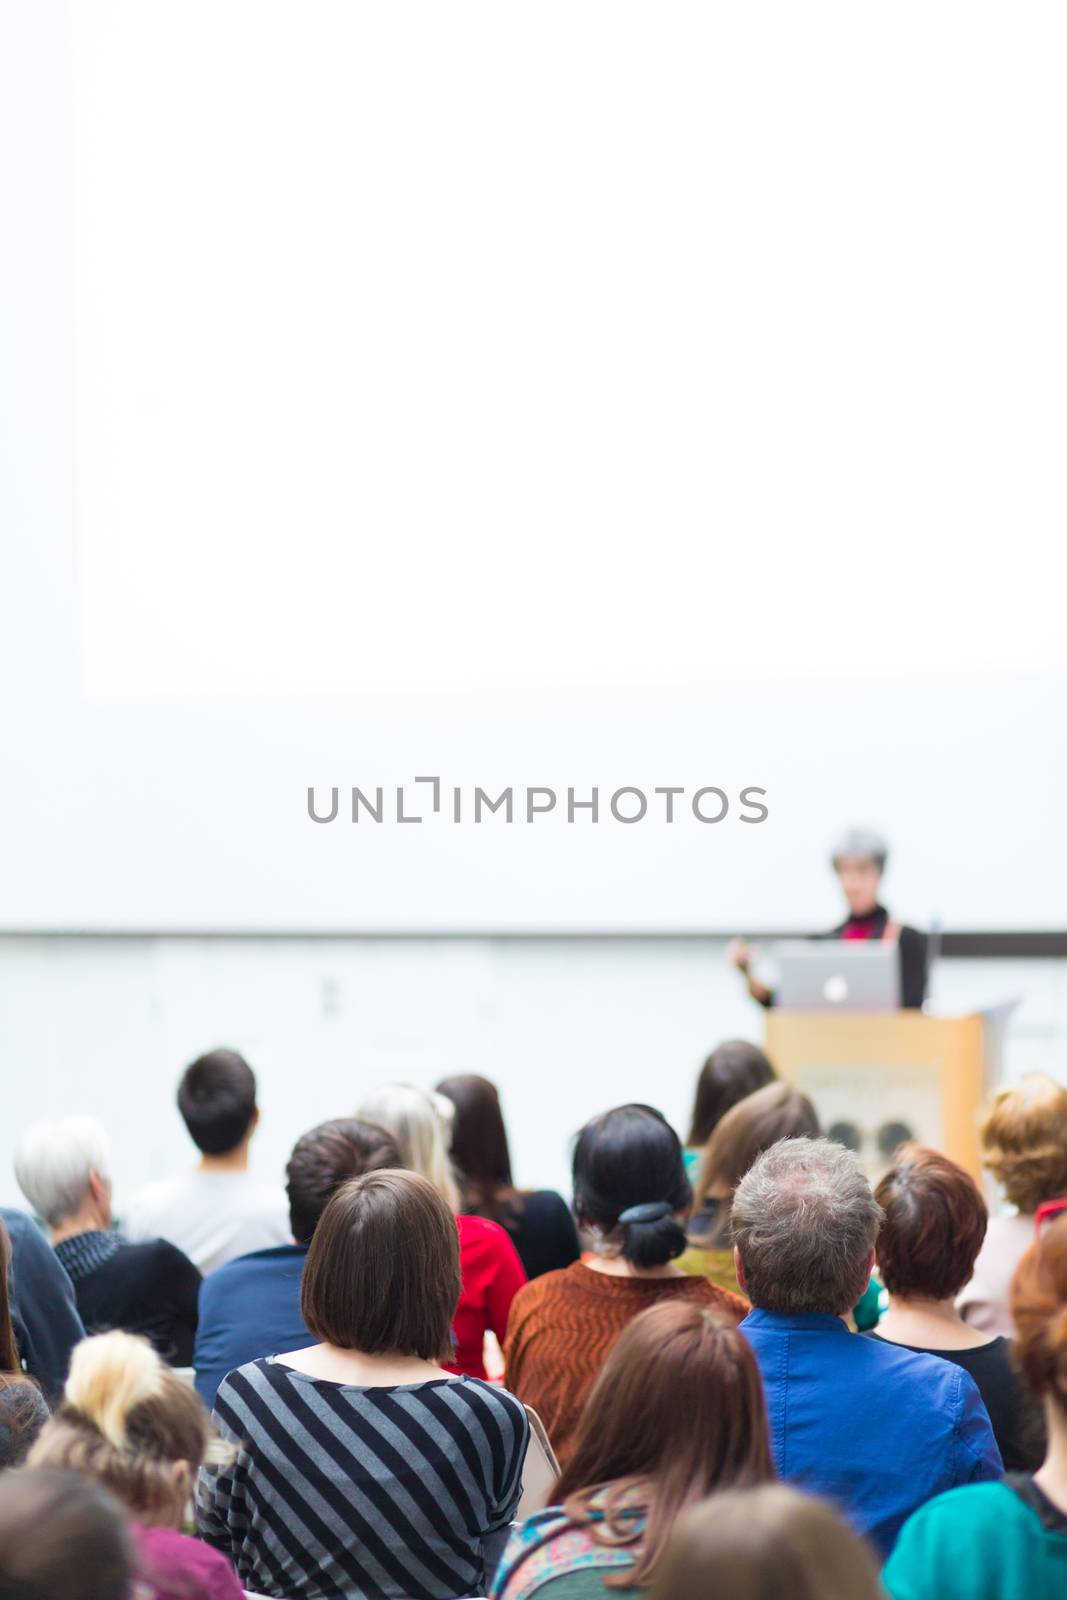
{"points": [[632, 1194], [539, 1220]]}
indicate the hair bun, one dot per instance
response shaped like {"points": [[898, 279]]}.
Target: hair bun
{"points": [[650, 1211]]}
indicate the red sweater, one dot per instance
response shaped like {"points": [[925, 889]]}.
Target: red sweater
{"points": [[492, 1275]]}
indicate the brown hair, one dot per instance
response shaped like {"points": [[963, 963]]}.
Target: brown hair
{"points": [[934, 1224], [777, 1111], [325, 1158], [754, 1543], [128, 1420], [1039, 1311], [734, 1069], [62, 1537], [382, 1274], [677, 1410], [479, 1149], [23, 1408], [1024, 1141]]}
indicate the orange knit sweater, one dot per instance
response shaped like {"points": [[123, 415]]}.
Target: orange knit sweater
{"points": [[562, 1326]]}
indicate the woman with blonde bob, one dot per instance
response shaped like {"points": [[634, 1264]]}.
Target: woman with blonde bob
{"points": [[676, 1413], [492, 1273], [128, 1421], [770, 1543]]}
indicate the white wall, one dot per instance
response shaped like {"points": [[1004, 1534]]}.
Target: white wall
{"points": [[565, 1027]]}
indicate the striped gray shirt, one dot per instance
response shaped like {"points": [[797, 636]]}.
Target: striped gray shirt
{"points": [[347, 1493]]}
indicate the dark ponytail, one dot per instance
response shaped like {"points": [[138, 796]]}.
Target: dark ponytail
{"points": [[629, 1180]]}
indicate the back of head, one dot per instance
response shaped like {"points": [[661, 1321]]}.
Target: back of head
{"points": [[479, 1139], [62, 1537], [630, 1184], [1024, 1141], [382, 1272], [217, 1100], [128, 1420], [1039, 1311], [804, 1222], [327, 1157], [761, 1119], [734, 1069], [54, 1162], [421, 1124], [933, 1227], [770, 1543]]}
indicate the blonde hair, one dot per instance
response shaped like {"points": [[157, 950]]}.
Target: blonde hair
{"points": [[421, 1124], [1024, 1141], [127, 1419]]}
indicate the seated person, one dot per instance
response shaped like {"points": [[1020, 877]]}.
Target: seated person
{"points": [[62, 1537], [1006, 1541], [874, 1428], [1024, 1146], [132, 1423], [775, 1112], [251, 1306], [23, 1409], [219, 1210], [676, 1414], [935, 1221], [151, 1288], [538, 1221], [43, 1312], [631, 1192], [734, 1069], [365, 1469]]}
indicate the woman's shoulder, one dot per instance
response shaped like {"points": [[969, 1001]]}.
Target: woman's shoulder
{"points": [[170, 1559], [549, 1548], [478, 1393], [731, 1305]]}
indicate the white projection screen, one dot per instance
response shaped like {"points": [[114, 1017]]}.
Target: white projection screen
{"points": [[524, 397]]}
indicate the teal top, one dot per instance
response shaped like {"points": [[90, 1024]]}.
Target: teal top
{"points": [[989, 1541]]}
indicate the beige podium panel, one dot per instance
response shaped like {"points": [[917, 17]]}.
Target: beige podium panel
{"points": [[879, 1079]]}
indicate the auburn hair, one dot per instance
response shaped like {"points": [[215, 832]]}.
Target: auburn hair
{"points": [[127, 1419], [734, 1069], [1039, 1311], [1024, 1141], [935, 1221], [676, 1413]]}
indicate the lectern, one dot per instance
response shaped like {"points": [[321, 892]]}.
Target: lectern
{"points": [[877, 1080]]}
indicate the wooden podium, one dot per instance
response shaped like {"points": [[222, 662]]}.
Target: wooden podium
{"points": [[878, 1079]]}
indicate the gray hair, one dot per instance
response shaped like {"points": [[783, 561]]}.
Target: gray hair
{"points": [[863, 842], [804, 1222], [54, 1161]]}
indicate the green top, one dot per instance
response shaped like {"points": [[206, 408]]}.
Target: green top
{"points": [[984, 1542]]}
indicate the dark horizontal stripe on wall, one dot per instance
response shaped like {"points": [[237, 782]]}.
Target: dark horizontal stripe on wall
{"points": [[1014, 944]]}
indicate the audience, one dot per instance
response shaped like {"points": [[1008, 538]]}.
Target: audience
{"points": [[935, 1221], [765, 1544], [775, 1112], [43, 1313], [128, 1420], [631, 1192], [676, 1413], [218, 1210], [62, 1537], [734, 1070], [63, 1170], [366, 1469], [1006, 1541], [491, 1269], [875, 1428], [23, 1411], [251, 1306], [1024, 1146], [538, 1221]]}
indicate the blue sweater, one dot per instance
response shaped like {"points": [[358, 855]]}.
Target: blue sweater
{"points": [[249, 1308], [875, 1428], [43, 1311]]}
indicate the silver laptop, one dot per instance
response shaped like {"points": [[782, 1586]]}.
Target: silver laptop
{"points": [[838, 975]]}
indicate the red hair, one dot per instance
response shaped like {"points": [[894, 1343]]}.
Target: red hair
{"points": [[935, 1221], [1039, 1310]]}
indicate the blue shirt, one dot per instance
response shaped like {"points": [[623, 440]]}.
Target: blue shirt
{"points": [[249, 1308], [878, 1435]]}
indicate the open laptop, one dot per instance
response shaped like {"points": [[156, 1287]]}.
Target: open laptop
{"points": [[838, 975]]}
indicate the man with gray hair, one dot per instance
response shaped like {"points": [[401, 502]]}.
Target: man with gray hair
{"points": [[63, 1169], [876, 1428]]}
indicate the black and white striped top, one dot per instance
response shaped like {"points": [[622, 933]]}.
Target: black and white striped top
{"points": [[347, 1493]]}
